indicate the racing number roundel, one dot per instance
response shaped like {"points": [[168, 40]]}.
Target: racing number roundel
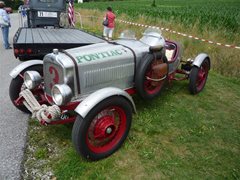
{"points": [[55, 76]]}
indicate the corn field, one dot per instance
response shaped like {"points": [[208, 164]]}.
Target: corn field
{"points": [[213, 14], [214, 20]]}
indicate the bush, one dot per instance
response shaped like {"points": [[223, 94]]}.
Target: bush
{"points": [[13, 4]]}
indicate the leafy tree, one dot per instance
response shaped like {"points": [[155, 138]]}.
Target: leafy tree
{"points": [[14, 4]]}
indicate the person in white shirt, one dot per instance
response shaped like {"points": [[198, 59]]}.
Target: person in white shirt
{"points": [[5, 26]]}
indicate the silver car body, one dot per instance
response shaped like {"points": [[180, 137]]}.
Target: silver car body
{"points": [[89, 68]]}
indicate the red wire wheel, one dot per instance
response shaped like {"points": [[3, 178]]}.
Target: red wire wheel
{"points": [[103, 130], [17, 85], [148, 83], [198, 77]]}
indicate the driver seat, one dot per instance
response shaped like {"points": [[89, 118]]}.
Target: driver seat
{"points": [[170, 52]]}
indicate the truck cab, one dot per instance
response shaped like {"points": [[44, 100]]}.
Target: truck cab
{"points": [[43, 13]]}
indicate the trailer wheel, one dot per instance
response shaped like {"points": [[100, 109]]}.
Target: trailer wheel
{"points": [[103, 130], [147, 88], [16, 86], [198, 77]]}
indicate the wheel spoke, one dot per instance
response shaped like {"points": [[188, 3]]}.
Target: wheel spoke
{"points": [[105, 129], [21, 76], [202, 76]]}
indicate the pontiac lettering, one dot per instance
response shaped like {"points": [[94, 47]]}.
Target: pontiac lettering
{"points": [[97, 56]]}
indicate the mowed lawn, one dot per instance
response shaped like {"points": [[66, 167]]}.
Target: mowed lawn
{"points": [[176, 135]]}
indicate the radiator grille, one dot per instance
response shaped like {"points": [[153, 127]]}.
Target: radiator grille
{"points": [[108, 74]]}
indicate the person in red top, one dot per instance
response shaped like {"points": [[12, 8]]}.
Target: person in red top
{"points": [[108, 30]]}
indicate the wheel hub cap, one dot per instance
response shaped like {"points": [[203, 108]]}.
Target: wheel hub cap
{"points": [[104, 127], [109, 130]]}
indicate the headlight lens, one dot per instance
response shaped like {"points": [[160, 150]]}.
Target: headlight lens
{"points": [[61, 94], [32, 79]]}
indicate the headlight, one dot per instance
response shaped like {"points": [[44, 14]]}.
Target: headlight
{"points": [[61, 94], [32, 79]]}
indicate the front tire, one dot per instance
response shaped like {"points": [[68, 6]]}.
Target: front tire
{"points": [[103, 130], [16, 86], [198, 77]]}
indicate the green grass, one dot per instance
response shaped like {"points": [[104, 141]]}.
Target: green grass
{"points": [[176, 135]]}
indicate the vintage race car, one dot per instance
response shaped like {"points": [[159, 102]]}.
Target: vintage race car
{"points": [[92, 86]]}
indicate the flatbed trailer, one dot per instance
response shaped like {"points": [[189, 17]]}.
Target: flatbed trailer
{"points": [[35, 43]]}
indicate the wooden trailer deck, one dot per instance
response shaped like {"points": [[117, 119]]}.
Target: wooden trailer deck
{"points": [[55, 36], [35, 43]]}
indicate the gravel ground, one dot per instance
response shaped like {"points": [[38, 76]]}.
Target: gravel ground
{"points": [[13, 123]]}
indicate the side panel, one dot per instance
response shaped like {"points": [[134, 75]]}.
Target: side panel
{"points": [[103, 65], [93, 99], [14, 73]]}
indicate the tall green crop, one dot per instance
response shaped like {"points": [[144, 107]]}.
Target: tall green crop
{"points": [[213, 14]]}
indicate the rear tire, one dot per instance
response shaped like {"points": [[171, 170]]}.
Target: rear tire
{"points": [[147, 89], [103, 130], [16, 86], [198, 77]]}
